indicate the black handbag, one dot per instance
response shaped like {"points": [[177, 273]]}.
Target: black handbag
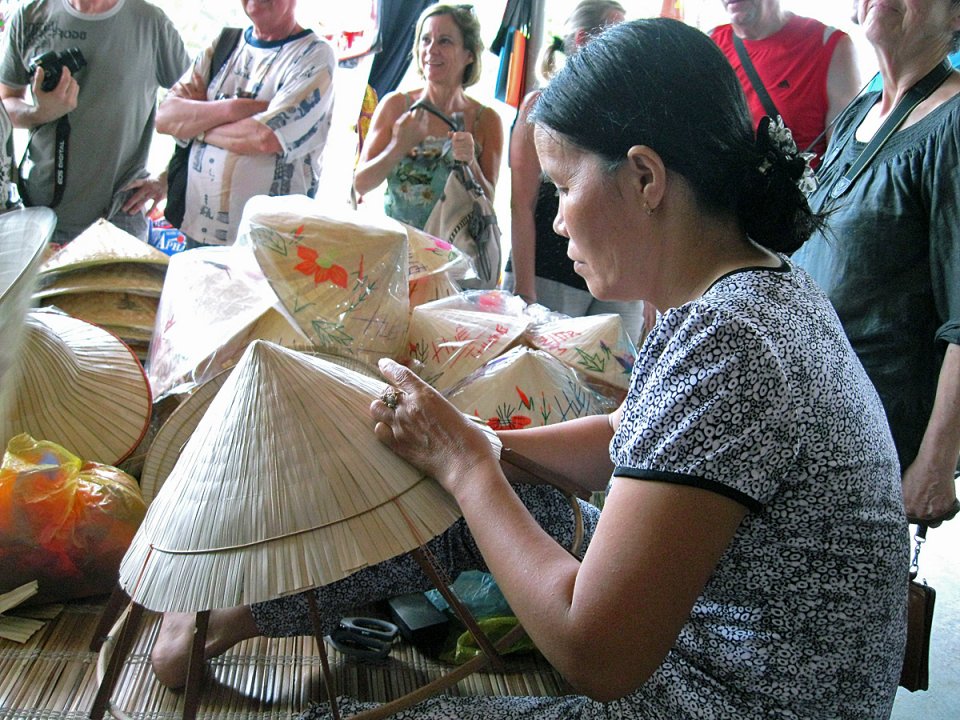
{"points": [[177, 167], [915, 673]]}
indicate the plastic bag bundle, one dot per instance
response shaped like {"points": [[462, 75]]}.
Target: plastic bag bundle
{"points": [[63, 522], [108, 277]]}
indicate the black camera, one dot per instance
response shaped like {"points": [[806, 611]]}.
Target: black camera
{"points": [[53, 63]]}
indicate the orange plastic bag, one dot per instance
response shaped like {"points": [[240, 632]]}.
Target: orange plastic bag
{"points": [[63, 522]]}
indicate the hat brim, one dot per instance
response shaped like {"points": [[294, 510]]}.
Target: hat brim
{"points": [[79, 386]]}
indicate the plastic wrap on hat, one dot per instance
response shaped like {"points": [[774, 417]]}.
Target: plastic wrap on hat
{"points": [[281, 487], [448, 341], [429, 255], [596, 345], [432, 287], [24, 235], [215, 302], [343, 278], [498, 302], [525, 388]]}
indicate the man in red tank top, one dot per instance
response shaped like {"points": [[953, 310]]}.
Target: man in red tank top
{"points": [[808, 69]]}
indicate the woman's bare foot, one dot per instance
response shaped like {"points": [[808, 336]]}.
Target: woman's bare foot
{"points": [[171, 650]]}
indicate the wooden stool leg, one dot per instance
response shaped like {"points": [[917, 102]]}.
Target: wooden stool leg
{"points": [[124, 643], [115, 605], [195, 667], [466, 617], [322, 648]]}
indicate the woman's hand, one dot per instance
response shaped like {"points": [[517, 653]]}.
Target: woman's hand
{"points": [[411, 129], [929, 494], [426, 430], [462, 147]]}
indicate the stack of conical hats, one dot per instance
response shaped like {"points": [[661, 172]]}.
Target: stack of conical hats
{"points": [[281, 487], [110, 278]]}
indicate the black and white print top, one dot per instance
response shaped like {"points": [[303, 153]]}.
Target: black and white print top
{"points": [[754, 392]]}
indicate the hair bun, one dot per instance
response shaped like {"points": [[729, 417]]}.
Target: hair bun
{"points": [[778, 153]]}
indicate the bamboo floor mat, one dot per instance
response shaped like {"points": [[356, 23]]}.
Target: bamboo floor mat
{"points": [[53, 676]]}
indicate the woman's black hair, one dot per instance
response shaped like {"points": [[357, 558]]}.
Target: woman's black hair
{"points": [[661, 83]]}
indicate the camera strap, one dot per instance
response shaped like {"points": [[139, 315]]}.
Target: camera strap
{"points": [[61, 140]]}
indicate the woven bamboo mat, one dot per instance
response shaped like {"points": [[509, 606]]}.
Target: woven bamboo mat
{"points": [[53, 676]]}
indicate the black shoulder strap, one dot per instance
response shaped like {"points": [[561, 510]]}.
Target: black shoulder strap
{"points": [[431, 108], [768, 105], [227, 42], [914, 96]]}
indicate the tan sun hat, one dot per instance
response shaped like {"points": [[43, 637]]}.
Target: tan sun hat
{"points": [[342, 277], [452, 337], [24, 235], [429, 255], [114, 310], [172, 436], [80, 387], [135, 279], [103, 243], [281, 487]]}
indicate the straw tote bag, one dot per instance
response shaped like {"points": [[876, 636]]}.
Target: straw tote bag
{"points": [[465, 218]]}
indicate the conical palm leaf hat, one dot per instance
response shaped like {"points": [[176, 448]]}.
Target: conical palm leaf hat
{"points": [[428, 255], [452, 337], [23, 236], [281, 487], [103, 243], [342, 277], [525, 388], [80, 387], [135, 279]]}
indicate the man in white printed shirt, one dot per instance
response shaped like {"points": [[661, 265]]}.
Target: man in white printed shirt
{"points": [[259, 126]]}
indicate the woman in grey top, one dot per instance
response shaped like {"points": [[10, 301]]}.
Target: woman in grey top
{"points": [[889, 258]]}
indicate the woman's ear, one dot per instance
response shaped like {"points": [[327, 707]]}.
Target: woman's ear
{"points": [[648, 173]]}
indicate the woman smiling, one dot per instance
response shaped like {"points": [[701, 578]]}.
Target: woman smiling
{"points": [[413, 149]]}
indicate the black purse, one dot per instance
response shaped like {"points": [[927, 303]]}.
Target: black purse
{"points": [[915, 673]]}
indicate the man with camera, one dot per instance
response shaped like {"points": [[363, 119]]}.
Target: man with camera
{"points": [[257, 124], [93, 69]]}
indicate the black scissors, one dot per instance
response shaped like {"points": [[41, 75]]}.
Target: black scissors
{"points": [[364, 637]]}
